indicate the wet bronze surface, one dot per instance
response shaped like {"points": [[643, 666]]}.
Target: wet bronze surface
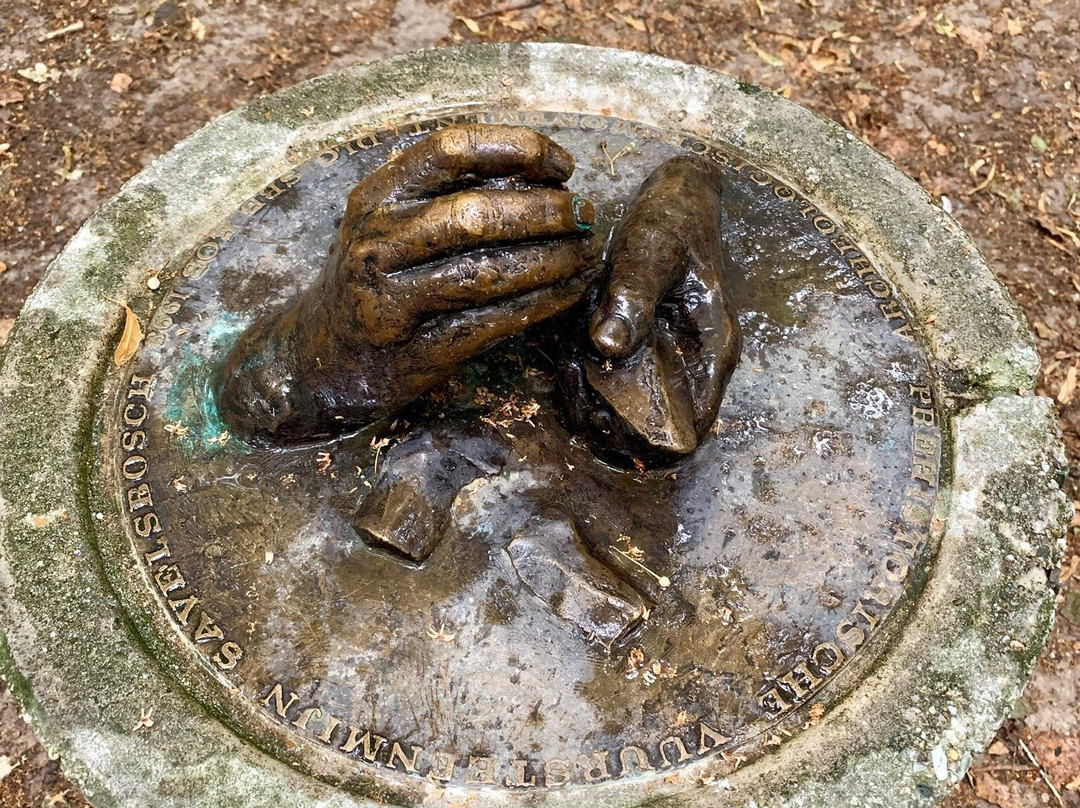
{"points": [[711, 597]]}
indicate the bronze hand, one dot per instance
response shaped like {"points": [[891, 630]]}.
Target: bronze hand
{"points": [[664, 339], [428, 270]]}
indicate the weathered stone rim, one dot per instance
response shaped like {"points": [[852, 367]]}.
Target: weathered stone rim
{"points": [[67, 329]]}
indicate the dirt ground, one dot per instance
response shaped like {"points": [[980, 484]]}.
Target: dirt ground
{"points": [[976, 100]]}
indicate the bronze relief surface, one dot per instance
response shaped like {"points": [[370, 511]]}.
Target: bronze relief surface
{"points": [[528, 457]]}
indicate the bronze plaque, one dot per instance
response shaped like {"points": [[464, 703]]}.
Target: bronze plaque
{"points": [[762, 572]]}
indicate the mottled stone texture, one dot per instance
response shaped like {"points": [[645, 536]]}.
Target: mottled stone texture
{"points": [[901, 737]]}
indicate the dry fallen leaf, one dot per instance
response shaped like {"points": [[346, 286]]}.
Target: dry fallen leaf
{"points": [[1068, 387], [9, 95], [471, 24], [5, 329], [978, 41], [911, 23], [120, 83], [1044, 331], [997, 748], [198, 30], [252, 71], [994, 791], [3, 267], [130, 340], [765, 56], [636, 24]]}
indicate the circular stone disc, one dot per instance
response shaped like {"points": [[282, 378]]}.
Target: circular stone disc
{"points": [[800, 583]]}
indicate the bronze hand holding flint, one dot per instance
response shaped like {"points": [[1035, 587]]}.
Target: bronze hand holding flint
{"points": [[663, 341], [431, 266]]}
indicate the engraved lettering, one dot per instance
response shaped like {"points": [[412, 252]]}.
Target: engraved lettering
{"points": [[134, 441], [772, 702], [372, 743], [800, 681], [594, 767], [139, 497], [924, 444], [301, 722], [860, 611], [135, 467], [277, 693], [331, 725], [827, 657], [680, 747], [250, 207], [878, 288], [849, 633], [904, 332], [442, 767], [228, 656], [922, 470], [169, 579], [135, 414], [182, 608], [632, 759], [208, 250], [914, 513], [922, 392], [162, 552], [891, 311], [556, 772], [923, 416], [709, 738], [879, 593], [895, 568], [861, 265], [825, 225], [481, 771], [147, 525], [844, 245], [208, 629], [909, 544], [517, 777], [273, 190], [397, 753], [140, 386]]}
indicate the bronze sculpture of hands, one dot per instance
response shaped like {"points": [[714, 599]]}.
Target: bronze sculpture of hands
{"points": [[467, 238], [427, 271]]}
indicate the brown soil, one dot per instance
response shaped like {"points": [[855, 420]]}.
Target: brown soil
{"points": [[978, 101]]}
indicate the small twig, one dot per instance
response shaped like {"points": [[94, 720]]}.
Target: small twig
{"points": [[507, 9], [67, 29], [663, 581], [625, 150], [1042, 773], [989, 178], [1003, 767]]}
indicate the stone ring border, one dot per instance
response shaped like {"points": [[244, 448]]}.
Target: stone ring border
{"points": [[901, 737]]}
